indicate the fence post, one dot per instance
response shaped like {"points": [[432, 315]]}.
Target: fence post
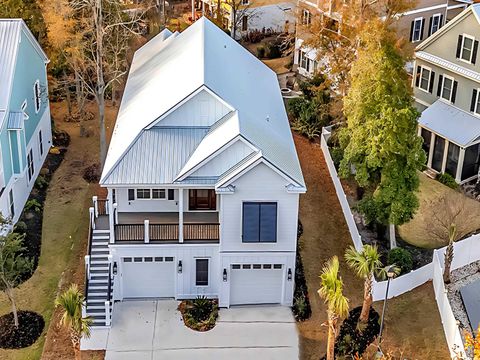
{"points": [[95, 205], [91, 211], [147, 231], [107, 313], [87, 266]]}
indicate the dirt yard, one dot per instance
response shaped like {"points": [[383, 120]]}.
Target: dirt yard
{"points": [[412, 329]]}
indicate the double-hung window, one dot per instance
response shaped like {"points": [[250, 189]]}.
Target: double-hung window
{"points": [[259, 222], [447, 87], [143, 194], [425, 78], [416, 31], [31, 169], [435, 23], [37, 96], [475, 104], [304, 61], [244, 22], [467, 48]]}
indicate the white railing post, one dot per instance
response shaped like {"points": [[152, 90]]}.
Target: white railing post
{"points": [[112, 222], [180, 215], [95, 205], [147, 231], [115, 211], [107, 313], [84, 309], [91, 211], [87, 266]]}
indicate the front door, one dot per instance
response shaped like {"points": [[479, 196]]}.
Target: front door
{"points": [[438, 150], [202, 199]]}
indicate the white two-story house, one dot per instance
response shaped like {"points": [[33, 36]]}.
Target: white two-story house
{"points": [[203, 180]]}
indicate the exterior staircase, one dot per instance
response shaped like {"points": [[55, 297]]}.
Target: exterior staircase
{"points": [[99, 289]]}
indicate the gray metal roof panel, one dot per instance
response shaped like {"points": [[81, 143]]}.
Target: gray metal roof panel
{"points": [[448, 121], [471, 299]]}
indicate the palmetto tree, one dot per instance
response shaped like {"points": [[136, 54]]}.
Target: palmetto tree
{"points": [[71, 301], [331, 291], [365, 264]]}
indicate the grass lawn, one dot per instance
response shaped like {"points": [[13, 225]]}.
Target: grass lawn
{"points": [[416, 231], [413, 324], [64, 236]]}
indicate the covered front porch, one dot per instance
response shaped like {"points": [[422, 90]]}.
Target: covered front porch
{"points": [[451, 139]]}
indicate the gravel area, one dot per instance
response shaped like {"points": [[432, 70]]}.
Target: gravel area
{"points": [[461, 277]]}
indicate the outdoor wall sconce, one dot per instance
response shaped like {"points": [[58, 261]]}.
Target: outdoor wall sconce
{"points": [[289, 275], [225, 275], [180, 266], [115, 268]]}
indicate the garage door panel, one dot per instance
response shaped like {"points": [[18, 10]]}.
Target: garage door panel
{"points": [[144, 279], [256, 286]]}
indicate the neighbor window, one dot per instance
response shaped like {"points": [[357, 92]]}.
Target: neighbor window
{"points": [[306, 17], [37, 96], [143, 194], [158, 194], [425, 78], [447, 88], [244, 23], [475, 105], [303, 60], [435, 23], [31, 169], [245, 2], [417, 29], [467, 48], [259, 222], [201, 272]]}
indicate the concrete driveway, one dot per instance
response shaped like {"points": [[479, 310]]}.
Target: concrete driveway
{"points": [[154, 330]]}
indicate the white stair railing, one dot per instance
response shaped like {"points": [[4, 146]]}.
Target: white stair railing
{"points": [[95, 205], [87, 266], [91, 211], [107, 313]]}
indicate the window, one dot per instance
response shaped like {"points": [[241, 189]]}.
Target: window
{"points": [[425, 78], [475, 104], [416, 30], [245, 2], [435, 23], [244, 23], [40, 142], [471, 162], [31, 169], [143, 194], [171, 194], [452, 159], [467, 48], [131, 194], [202, 199], [24, 110], [303, 60], [11, 204], [446, 83], [37, 96], [306, 17], [201, 272], [427, 140], [158, 194], [259, 222]]}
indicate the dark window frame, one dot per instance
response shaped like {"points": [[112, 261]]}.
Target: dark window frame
{"points": [[260, 203], [205, 273]]}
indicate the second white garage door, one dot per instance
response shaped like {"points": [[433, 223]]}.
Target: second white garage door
{"points": [[256, 284], [148, 277]]}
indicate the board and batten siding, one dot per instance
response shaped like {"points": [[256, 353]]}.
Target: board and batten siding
{"points": [[259, 184], [184, 282], [203, 109]]}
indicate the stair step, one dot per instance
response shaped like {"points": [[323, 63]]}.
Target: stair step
{"points": [[96, 311], [100, 245], [97, 297], [99, 252], [99, 281], [99, 259], [100, 237], [99, 271], [99, 231], [99, 278]]}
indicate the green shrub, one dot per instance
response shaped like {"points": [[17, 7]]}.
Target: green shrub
{"points": [[448, 180], [33, 205], [20, 228], [199, 314], [260, 52], [301, 307], [337, 155], [272, 51], [402, 258], [41, 183]]}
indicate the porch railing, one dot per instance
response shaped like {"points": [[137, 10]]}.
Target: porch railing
{"points": [[100, 206], [166, 232]]}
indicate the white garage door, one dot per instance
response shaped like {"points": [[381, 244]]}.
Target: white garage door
{"points": [[256, 284], [145, 277]]}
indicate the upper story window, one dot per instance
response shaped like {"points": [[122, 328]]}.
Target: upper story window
{"points": [[467, 48], [447, 88], [37, 96], [303, 60], [259, 222], [306, 17], [435, 23], [475, 104], [424, 78], [31, 169], [202, 199], [416, 30]]}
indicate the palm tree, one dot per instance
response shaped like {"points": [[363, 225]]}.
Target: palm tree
{"points": [[71, 302], [365, 264], [331, 290]]}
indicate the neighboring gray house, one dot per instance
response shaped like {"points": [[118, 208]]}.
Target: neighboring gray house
{"points": [[446, 86]]}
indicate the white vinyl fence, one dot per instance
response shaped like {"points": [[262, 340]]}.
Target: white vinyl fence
{"points": [[466, 252]]}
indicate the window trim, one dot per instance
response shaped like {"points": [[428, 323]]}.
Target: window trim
{"points": [[159, 190], [420, 20], [259, 241], [306, 17], [37, 97], [439, 17], [30, 165], [208, 272], [471, 50], [476, 111], [429, 78], [445, 76]]}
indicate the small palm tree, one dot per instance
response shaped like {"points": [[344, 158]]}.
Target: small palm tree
{"points": [[71, 301], [365, 264], [331, 291]]}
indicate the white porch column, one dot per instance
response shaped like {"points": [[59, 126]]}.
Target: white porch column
{"points": [[111, 214], [445, 155], [95, 205], [461, 158], [430, 153], [180, 215]]}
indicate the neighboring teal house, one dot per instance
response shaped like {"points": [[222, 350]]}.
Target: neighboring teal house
{"points": [[25, 129]]}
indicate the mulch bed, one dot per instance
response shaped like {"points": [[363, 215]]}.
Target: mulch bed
{"points": [[301, 303], [208, 323], [30, 327], [33, 219]]}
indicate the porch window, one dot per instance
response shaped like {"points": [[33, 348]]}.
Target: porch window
{"points": [[202, 199], [438, 151], [259, 222], [143, 194], [452, 159], [427, 138], [201, 272], [471, 162]]}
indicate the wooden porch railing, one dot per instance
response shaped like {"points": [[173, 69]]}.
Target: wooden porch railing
{"points": [[167, 232]]}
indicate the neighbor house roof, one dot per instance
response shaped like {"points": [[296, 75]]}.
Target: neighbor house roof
{"points": [[172, 67], [452, 123], [10, 36]]}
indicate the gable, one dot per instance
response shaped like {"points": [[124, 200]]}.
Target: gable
{"points": [[221, 163], [203, 110]]}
